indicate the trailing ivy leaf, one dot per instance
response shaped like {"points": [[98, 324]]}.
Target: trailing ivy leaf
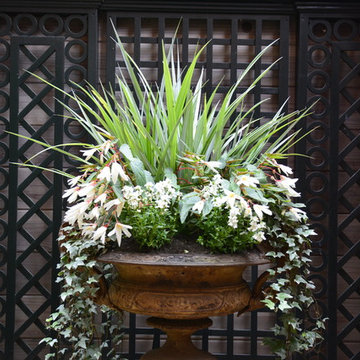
{"points": [[256, 195]]}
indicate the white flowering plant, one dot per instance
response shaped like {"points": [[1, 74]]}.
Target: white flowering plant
{"points": [[169, 161]]}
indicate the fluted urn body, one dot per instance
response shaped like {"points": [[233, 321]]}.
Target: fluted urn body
{"points": [[180, 291]]}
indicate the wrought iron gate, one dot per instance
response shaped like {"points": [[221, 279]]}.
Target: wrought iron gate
{"points": [[60, 43]]}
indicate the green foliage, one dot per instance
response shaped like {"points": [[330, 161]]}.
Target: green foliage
{"points": [[152, 227], [167, 158], [79, 335], [219, 237]]}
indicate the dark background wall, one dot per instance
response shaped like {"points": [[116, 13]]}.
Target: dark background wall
{"points": [[68, 41]]}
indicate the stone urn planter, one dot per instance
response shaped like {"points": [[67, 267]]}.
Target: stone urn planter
{"points": [[180, 292]]}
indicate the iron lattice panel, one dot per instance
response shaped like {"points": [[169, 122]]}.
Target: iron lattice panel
{"points": [[59, 48], [235, 40], [329, 74]]}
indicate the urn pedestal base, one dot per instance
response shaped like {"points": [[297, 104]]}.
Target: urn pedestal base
{"points": [[178, 344]]}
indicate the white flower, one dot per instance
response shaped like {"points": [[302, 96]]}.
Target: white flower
{"points": [[74, 181], [296, 214], [212, 165], [219, 201], [105, 173], [105, 147], [101, 199], [72, 194], [285, 169], [88, 229], [100, 233], [247, 180], [287, 184], [259, 236], [117, 203], [231, 197], [248, 212], [260, 209], [88, 190], [198, 206], [118, 171], [217, 179], [89, 153], [132, 195], [254, 224], [118, 230], [76, 213], [233, 217], [94, 213]]}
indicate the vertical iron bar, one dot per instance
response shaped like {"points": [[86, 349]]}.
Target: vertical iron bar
{"points": [[161, 41], [93, 44], [110, 51], [132, 335], [230, 337], [13, 181], [185, 41], [209, 55], [333, 206], [137, 39], [233, 51], [301, 67], [58, 164], [284, 63]]}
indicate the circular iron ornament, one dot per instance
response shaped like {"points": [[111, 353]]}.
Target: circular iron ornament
{"points": [[3, 229], [4, 177], [7, 26], [68, 72], [3, 256], [344, 22], [5, 150], [58, 27], [73, 135], [310, 160], [321, 213], [83, 25], [69, 101], [320, 100], [2, 307], [70, 160], [321, 26], [83, 46], [319, 309], [2, 283], [322, 233], [5, 123], [23, 17], [319, 177], [324, 263], [321, 126], [322, 74], [4, 204], [326, 57], [5, 97], [321, 290], [5, 70], [2, 337], [7, 50]]}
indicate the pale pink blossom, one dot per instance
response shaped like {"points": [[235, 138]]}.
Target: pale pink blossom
{"points": [[261, 209], [118, 171], [105, 173], [118, 230], [100, 233]]}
